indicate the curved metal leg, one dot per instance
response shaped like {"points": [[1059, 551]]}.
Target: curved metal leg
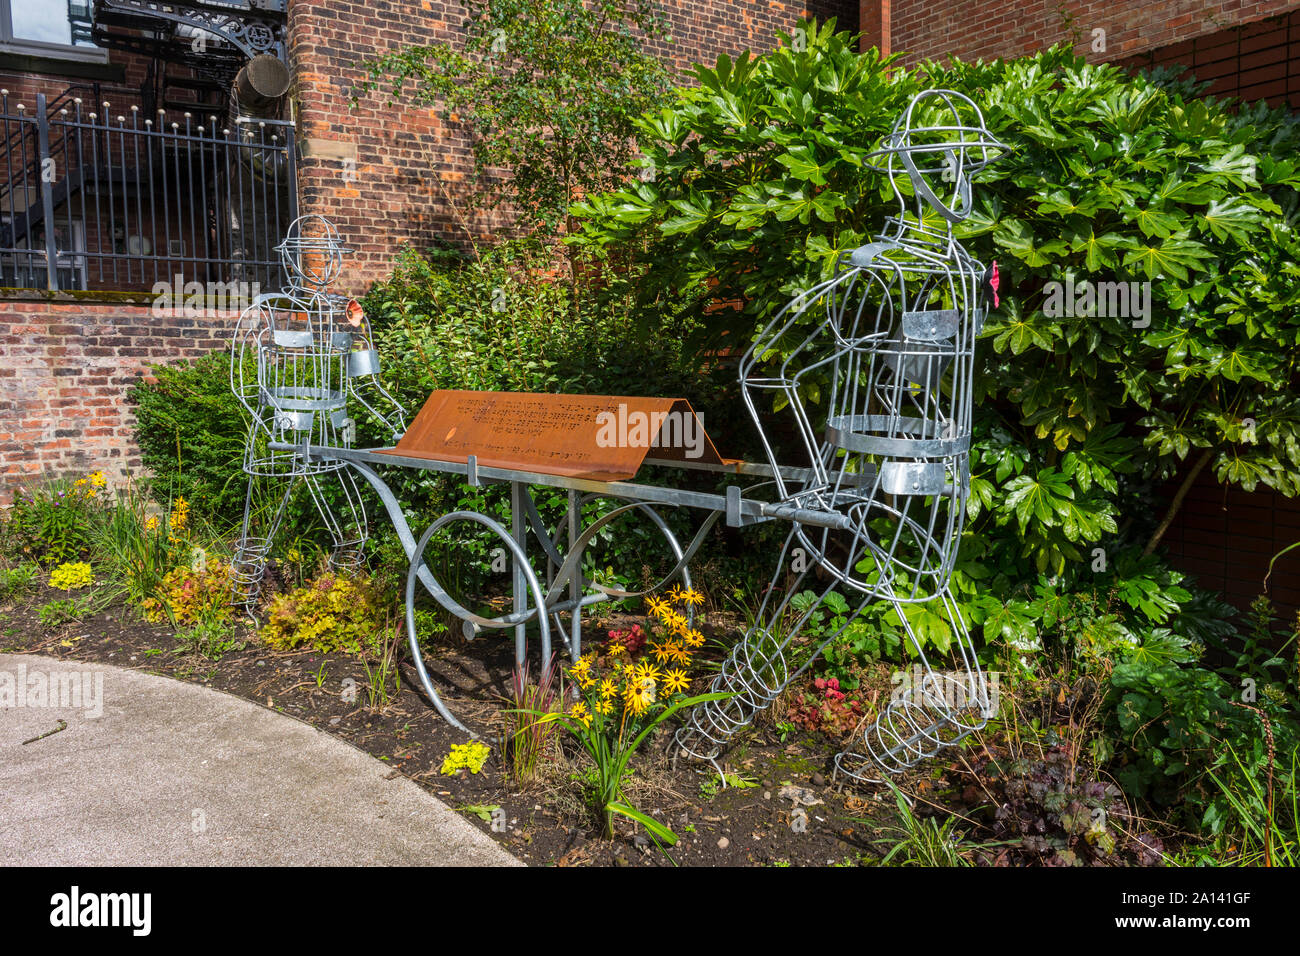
{"points": [[682, 558], [518, 618], [396, 516]]}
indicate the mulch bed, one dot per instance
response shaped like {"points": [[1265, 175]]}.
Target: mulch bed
{"points": [[546, 823]]}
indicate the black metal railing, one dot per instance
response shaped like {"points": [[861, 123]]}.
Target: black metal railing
{"points": [[95, 195]]}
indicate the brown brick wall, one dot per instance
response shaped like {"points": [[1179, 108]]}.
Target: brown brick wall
{"points": [[996, 28], [64, 374]]}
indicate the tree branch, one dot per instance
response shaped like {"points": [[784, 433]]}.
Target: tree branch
{"points": [[1177, 502]]}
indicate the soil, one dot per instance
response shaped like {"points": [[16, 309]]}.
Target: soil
{"points": [[545, 823]]}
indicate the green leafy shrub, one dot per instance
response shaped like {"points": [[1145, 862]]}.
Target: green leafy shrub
{"points": [[191, 429], [496, 320], [51, 524], [212, 638], [71, 610], [333, 613], [1193, 737], [1079, 417], [17, 580]]}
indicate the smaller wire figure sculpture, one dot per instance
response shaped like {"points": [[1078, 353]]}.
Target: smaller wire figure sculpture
{"points": [[891, 338], [299, 357]]}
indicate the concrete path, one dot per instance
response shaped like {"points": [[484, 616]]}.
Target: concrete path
{"points": [[169, 773]]}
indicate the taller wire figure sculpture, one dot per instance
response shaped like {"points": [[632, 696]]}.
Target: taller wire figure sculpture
{"points": [[299, 357], [891, 340]]}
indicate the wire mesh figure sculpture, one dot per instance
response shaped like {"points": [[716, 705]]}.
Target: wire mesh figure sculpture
{"points": [[299, 357], [891, 338]]}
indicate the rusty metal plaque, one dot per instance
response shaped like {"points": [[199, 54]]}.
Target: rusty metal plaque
{"points": [[602, 437]]}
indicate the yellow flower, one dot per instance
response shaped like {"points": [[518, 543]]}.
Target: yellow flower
{"points": [[675, 681], [639, 695], [692, 597], [657, 606], [616, 649], [645, 671], [607, 689], [581, 670], [693, 638], [662, 652], [677, 653], [97, 479], [605, 706], [580, 714], [151, 523], [180, 516], [674, 620]]}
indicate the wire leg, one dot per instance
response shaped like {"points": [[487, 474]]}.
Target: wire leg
{"points": [[756, 672], [248, 566], [930, 711]]}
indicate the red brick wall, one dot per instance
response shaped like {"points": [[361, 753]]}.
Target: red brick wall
{"points": [[23, 87], [993, 28], [1260, 61], [1226, 537], [64, 376], [411, 168]]}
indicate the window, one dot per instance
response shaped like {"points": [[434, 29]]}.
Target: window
{"points": [[53, 28]]}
